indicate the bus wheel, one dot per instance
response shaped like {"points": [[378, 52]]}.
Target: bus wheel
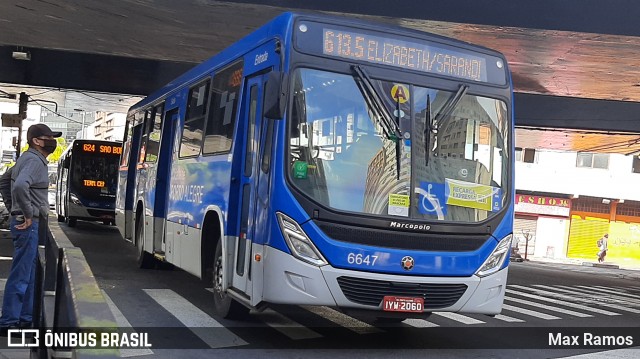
{"points": [[71, 222], [225, 306], [106, 222], [61, 218], [145, 260]]}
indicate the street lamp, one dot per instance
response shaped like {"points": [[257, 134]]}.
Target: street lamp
{"points": [[82, 128]]}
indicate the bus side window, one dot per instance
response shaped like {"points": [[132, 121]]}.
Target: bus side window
{"points": [[194, 121], [126, 141], [145, 135], [268, 144], [153, 140], [224, 107]]}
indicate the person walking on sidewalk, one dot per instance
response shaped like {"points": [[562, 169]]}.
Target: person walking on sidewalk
{"points": [[29, 186], [602, 245]]}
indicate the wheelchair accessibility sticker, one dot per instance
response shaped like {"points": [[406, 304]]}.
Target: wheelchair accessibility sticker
{"points": [[434, 198]]}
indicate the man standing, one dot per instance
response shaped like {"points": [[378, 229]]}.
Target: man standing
{"points": [[603, 246], [30, 183]]}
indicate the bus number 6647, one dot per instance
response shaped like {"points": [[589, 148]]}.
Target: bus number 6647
{"points": [[360, 259]]}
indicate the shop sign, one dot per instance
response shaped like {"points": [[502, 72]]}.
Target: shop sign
{"points": [[543, 205]]}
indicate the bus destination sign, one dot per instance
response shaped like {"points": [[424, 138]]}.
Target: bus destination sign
{"points": [[93, 183], [408, 55], [97, 148]]}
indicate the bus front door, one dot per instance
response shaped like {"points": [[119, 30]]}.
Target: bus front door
{"points": [[163, 179], [254, 188]]}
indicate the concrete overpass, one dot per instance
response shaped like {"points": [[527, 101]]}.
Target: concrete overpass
{"points": [[574, 62]]}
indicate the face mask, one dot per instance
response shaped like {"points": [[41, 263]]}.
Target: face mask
{"points": [[50, 145]]}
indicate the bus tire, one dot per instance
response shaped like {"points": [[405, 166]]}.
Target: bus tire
{"points": [[61, 218], [71, 222], [145, 260], [225, 306]]}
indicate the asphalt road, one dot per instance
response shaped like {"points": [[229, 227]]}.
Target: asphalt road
{"points": [[542, 299]]}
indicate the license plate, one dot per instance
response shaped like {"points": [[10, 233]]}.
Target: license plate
{"points": [[402, 304]]}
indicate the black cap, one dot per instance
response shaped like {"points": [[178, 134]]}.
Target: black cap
{"points": [[40, 129]]}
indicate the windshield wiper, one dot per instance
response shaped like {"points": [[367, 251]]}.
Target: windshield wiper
{"points": [[433, 125], [379, 111], [427, 131], [398, 151]]}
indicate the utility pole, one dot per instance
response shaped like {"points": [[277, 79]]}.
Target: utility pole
{"points": [[22, 112]]}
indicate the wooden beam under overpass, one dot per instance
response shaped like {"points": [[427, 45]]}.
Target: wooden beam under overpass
{"points": [[136, 76]]}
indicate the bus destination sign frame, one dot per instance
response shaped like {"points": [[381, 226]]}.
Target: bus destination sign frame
{"points": [[408, 53]]}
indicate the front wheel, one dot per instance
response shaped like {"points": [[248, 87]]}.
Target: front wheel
{"points": [[225, 306]]}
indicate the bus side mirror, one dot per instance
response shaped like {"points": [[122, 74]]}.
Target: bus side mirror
{"points": [[275, 96]]}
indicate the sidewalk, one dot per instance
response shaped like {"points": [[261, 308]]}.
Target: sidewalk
{"points": [[629, 271]]}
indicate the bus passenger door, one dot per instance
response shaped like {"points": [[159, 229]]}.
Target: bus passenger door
{"points": [[127, 177], [252, 179], [163, 180]]}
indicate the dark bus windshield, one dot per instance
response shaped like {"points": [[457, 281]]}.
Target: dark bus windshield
{"points": [[94, 172]]}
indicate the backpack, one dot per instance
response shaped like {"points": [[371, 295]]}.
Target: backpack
{"points": [[599, 242]]}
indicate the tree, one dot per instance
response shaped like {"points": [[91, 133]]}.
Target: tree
{"points": [[55, 156]]}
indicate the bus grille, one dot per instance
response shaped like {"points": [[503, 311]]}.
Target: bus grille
{"points": [[370, 292], [402, 240]]}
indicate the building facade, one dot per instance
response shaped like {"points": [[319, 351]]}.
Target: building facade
{"points": [[578, 198]]}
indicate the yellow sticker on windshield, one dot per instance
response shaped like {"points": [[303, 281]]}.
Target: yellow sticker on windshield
{"points": [[467, 194], [400, 93], [398, 205]]}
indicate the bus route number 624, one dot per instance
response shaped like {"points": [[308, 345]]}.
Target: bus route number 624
{"points": [[360, 259]]}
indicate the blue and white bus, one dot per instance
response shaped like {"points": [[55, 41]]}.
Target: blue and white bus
{"points": [[332, 162]]}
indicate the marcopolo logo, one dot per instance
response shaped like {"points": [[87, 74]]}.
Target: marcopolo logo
{"points": [[413, 226]]}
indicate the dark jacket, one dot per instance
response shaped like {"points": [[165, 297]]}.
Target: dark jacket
{"points": [[5, 188]]}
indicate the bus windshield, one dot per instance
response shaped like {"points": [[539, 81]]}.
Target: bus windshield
{"points": [[94, 176], [450, 164]]}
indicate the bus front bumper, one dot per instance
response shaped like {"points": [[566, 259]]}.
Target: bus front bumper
{"points": [[291, 281]]}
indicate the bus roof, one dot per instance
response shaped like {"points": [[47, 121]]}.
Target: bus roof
{"points": [[281, 26]]}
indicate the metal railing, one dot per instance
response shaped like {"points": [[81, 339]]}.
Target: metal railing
{"points": [[66, 287]]}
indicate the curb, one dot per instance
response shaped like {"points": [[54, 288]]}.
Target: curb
{"points": [[601, 265]]}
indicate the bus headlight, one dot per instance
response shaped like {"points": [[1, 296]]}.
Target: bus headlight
{"points": [[497, 257], [75, 199], [299, 243]]}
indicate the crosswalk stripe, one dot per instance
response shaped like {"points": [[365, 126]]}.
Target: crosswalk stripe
{"points": [[582, 298], [507, 318], [564, 303], [612, 291], [343, 320], [122, 322], [420, 323], [195, 319], [459, 318], [532, 313], [594, 291], [548, 307], [286, 326]]}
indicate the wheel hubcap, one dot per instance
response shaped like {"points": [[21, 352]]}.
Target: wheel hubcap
{"points": [[217, 277]]}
